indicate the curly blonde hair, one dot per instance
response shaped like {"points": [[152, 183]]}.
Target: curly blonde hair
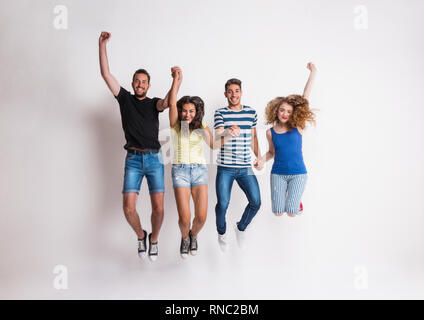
{"points": [[301, 111]]}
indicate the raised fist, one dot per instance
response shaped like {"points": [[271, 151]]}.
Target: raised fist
{"points": [[104, 37], [311, 67], [177, 73]]}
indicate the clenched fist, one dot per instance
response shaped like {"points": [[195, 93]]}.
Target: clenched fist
{"points": [[104, 37], [311, 67], [177, 74]]}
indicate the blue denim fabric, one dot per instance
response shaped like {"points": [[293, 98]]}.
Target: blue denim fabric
{"points": [[189, 175], [247, 181], [139, 165]]}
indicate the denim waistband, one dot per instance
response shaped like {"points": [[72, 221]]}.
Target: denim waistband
{"points": [[188, 165]]}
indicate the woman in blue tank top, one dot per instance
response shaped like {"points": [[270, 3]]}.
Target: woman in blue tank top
{"points": [[289, 116]]}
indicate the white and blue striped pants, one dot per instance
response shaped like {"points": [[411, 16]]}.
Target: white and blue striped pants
{"points": [[286, 192]]}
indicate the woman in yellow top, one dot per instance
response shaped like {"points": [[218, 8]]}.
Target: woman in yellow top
{"points": [[189, 171]]}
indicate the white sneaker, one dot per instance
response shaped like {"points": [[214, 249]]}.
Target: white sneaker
{"points": [[241, 237], [223, 242]]}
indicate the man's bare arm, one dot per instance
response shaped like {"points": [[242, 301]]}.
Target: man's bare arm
{"points": [[162, 104], [110, 80], [255, 144]]}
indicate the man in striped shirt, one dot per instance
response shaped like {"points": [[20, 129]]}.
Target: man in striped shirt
{"points": [[234, 161]]}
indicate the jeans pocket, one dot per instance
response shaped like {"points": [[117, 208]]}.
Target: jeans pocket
{"points": [[160, 157], [155, 158], [177, 170], [130, 156], [203, 170], [225, 169], [174, 171]]}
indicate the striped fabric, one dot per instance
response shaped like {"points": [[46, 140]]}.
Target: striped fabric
{"points": [[286, 192], [236, 152]]}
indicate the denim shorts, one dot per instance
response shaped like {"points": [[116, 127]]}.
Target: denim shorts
{"points": [[189, 175], [139, 165]]}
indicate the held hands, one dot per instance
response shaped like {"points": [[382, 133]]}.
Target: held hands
{"points": [[311, 67], [258, 164], [104, 37], [234, 131], [177, 74]]}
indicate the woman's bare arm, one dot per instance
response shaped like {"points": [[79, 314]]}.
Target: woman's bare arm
{"points": [[309, 83]]}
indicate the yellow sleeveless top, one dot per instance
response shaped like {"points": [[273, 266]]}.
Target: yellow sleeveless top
{"points": [[188, 146]]}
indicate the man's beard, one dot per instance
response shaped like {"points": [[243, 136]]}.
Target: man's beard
{"points": [[143, 95]]}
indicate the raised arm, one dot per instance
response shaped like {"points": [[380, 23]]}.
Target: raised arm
{"points": [[308, 87], [177, 76], [162, 104], [110, 80]]}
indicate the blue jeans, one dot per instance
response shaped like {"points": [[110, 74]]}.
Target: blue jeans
{"points": [[139, 165], [246, 179]]}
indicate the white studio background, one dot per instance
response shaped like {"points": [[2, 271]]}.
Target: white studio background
{"points": [[62, 158]]}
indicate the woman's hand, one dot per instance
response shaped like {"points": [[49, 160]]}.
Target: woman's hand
{"points": [[311, 67], [177, 74], [258, 164]]}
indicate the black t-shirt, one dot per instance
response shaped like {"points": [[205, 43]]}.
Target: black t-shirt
{"points": [[140, 120]]}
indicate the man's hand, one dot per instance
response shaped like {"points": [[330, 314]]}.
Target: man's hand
{"points": [[104, 38], [234, 131]]}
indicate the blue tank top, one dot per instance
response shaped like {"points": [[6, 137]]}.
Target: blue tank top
{"points": [[288, 157]]}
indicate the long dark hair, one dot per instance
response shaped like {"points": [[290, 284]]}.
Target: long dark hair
{"points": [[196, 123]]}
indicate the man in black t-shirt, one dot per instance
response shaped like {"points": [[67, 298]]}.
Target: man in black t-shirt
{"points": [[141, 127]]}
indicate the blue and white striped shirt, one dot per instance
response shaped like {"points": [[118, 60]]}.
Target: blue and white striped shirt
{"points": [[236, 152]]}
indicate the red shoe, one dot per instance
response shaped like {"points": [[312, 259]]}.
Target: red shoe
{"points": [[301, 208]]}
